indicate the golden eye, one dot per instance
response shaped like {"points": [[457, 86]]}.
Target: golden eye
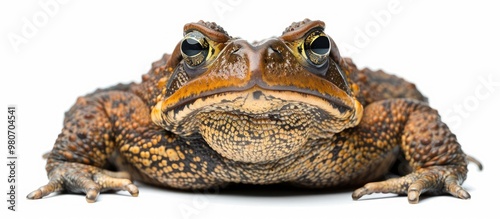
{"points": [[317, 47], [194, 48]]}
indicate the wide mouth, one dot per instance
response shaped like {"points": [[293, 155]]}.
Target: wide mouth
{"points": [[261, 95], [256, 102]]}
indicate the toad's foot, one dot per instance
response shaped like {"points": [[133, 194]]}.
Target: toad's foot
{"points": [[78, 178], [435, 180]]}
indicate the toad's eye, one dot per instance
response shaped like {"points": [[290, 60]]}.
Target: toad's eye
{"points": [[317, 47], [194, 48]]}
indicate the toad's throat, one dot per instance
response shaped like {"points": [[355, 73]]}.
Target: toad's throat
{"points": [[254, 138]]}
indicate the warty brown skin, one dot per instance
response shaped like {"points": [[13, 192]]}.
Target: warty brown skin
{"points": [[259, 113]]}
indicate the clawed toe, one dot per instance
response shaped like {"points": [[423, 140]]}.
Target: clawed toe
{"points": [[51, 187], [436, 180], [89, 180], [132, 189]]}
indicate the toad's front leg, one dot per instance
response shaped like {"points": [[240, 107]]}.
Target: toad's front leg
{"points": [[93, 129], [432, 152]]}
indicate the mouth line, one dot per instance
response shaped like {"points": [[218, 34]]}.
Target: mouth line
{"points": [[257, 93], [266, 106]]}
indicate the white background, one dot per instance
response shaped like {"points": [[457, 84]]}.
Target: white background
{"points": [[449, 49]]}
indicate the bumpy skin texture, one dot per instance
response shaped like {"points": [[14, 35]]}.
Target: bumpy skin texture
{"points": [[259, 113]]}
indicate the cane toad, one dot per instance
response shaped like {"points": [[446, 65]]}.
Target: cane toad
{"points": [[287, 109]]}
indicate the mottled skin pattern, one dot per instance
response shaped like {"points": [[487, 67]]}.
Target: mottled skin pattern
{"points": [[258, 113]]}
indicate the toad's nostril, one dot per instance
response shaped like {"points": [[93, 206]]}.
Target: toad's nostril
{"points": [[272, 49], [274, 53], [235, 49]]}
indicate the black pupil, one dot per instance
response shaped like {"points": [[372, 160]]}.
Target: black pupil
{"points": [[320, 45], [191, 47]]}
